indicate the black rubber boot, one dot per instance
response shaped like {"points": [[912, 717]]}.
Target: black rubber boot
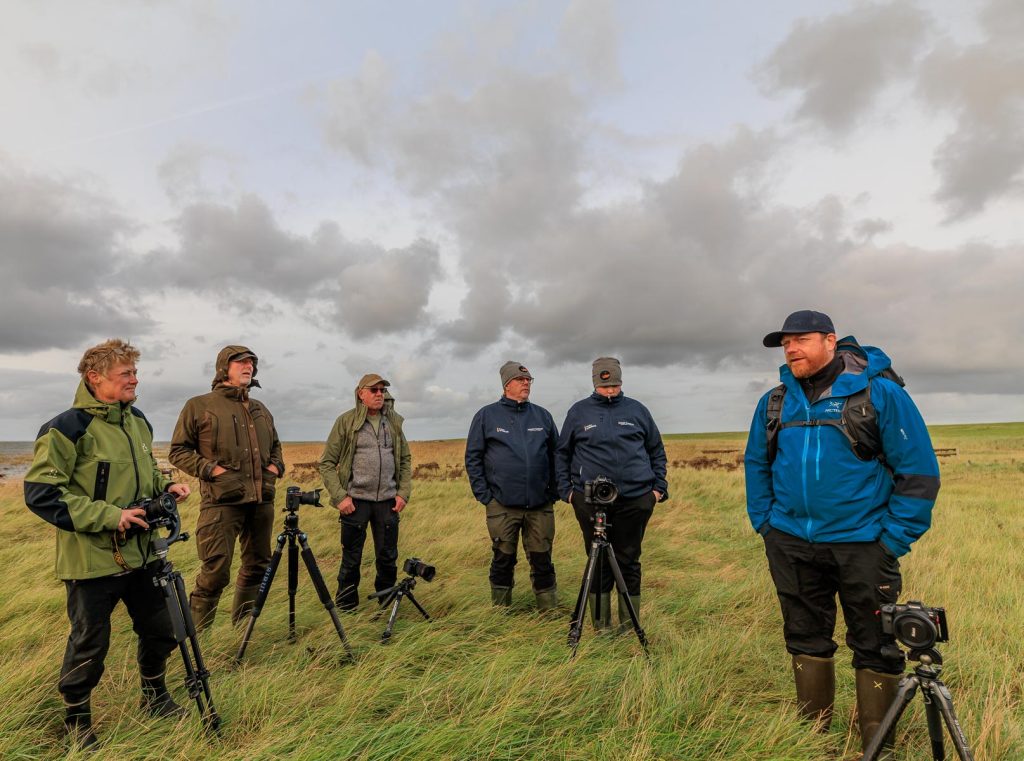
{"points": [[78, 725], [158, 701], [875, 693], [815, 689]]}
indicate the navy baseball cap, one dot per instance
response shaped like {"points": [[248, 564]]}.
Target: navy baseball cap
{"points": [[804, 321]]}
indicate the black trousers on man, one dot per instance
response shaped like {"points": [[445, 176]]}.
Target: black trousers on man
{"points": [[627, 522], [90, 605], [808, 577], [383, 522]]}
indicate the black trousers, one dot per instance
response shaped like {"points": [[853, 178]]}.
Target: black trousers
{"points": [[627, 522], [383, 522], [90, 605], [808, 577]]}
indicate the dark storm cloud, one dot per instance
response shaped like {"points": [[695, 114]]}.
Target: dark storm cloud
{"points": [[62, 244], [361, 287], [982, 85]]}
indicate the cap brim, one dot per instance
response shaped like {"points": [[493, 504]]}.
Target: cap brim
{"points": [[243, 355], [773, 340]]}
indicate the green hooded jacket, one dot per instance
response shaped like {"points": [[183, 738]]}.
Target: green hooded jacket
{"points": [[336, 461], [90, 463], [227, 427]]}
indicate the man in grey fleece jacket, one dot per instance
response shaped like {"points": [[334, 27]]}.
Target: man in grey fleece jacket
{"points": [[367, 469]]}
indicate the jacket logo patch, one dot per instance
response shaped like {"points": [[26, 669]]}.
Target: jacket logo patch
{"points": [[834, 407], [626, 422], [499, 429], [588, 426], [605, 375], [535, 429]]}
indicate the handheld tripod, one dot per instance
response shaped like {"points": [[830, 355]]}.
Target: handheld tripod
{"points": [[170, 583], [394, 596], [938, 705], [295, 537], [598, 547]]}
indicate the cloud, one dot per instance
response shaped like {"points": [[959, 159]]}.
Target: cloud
{"points": [[840, 64], [62, 243]]}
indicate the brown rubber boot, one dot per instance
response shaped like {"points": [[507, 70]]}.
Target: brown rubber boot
{"points": [[203, 611], [501, 596], [547, 599], [815, 689], [241, 606], [875, 693]]}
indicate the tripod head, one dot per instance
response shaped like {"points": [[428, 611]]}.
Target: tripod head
{"points": [[601, 523]]}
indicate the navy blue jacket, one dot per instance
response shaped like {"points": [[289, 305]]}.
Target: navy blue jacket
{"points": [[818, 490], [510, 454], [613, 437]]}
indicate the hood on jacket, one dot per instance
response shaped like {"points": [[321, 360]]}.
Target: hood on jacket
{"points": [[224, 358], [112, 412]]}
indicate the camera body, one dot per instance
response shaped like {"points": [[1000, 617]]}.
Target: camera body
{"points": [[295, 497], [914, 624], [416, 567], [601, 491], [161, 511]]}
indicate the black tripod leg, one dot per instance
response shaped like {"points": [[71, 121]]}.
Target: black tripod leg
{"points": [[904, 694], [293, 584], [322, 592], [261, 596], [620, 583], [943, 704], [419, 607], [202, 675], [576, 625], [386, 636], [931, 712]]}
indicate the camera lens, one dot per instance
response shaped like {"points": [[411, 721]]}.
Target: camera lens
{"points": [[915, 630]]}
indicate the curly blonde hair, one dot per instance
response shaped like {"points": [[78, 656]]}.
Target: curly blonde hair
{"points": [[103, 356]]}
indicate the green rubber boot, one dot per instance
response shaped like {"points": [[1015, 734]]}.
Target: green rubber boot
{"points": [[501, 596], [625, 624], [602, 619], [241, 606], [547, 599], [815, 689], [875, 693]]}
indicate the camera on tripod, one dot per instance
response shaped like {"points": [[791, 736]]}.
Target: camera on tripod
{"points": [[914, 624], [416, 567], [295, 497], [601, 491], [161, 511]]}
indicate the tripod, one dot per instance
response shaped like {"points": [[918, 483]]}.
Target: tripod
{"points": [[394, 595], [938, 705], [600, 545], [170, 583], [294, 536]]}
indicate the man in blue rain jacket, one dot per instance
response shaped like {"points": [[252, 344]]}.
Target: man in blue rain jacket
{"points": [[510, 461], [838, 500]]}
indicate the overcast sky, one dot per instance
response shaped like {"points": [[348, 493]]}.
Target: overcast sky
{"points": [[427, 189]]}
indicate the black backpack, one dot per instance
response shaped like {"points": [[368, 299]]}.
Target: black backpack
{"points": [[858, 421]]}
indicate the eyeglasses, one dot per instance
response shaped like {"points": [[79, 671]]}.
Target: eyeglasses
{"points": [[376, 390]]}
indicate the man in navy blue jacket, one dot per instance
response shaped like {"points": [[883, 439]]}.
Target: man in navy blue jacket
{"points": [[836, 520], [608, 434], [510, 454]]}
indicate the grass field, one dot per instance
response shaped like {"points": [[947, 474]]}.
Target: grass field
{"points": [[481, 683]]}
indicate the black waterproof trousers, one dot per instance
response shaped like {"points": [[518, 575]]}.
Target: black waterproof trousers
{"points": [[627, 522], [383, 522], [808, 577], [90, 604]]}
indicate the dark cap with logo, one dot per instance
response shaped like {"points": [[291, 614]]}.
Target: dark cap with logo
{"points": [[512, 370], [804, 321], [607, 372]]}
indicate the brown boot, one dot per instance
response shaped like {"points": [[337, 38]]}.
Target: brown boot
{"points": [[815, 689], [875, 693], [241, 606], [203, 610]]}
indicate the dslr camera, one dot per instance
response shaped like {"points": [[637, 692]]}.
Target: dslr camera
{"points": [[601, 491], [416, 567], [914, 624], [161, 511], [295, 497]]}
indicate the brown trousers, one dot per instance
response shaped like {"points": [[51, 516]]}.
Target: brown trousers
{"points": [[219, 527]]}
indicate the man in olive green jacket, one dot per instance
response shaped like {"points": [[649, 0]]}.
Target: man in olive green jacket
{"points": [[367, 469], [90, 464], [227, 440]]}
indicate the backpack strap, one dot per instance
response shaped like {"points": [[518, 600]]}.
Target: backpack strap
{"points": [[774, 420]]}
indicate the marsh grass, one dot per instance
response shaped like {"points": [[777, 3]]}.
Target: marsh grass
{"points": [[481, 683]]}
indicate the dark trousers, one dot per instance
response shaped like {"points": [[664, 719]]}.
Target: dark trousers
{"points": [[627, 522], [90, 605], [219, 527], [383, 522], [809, 576], [537, 526]]}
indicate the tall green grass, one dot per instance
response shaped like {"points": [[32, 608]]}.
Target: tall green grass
{"points": [[482, 683]]}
